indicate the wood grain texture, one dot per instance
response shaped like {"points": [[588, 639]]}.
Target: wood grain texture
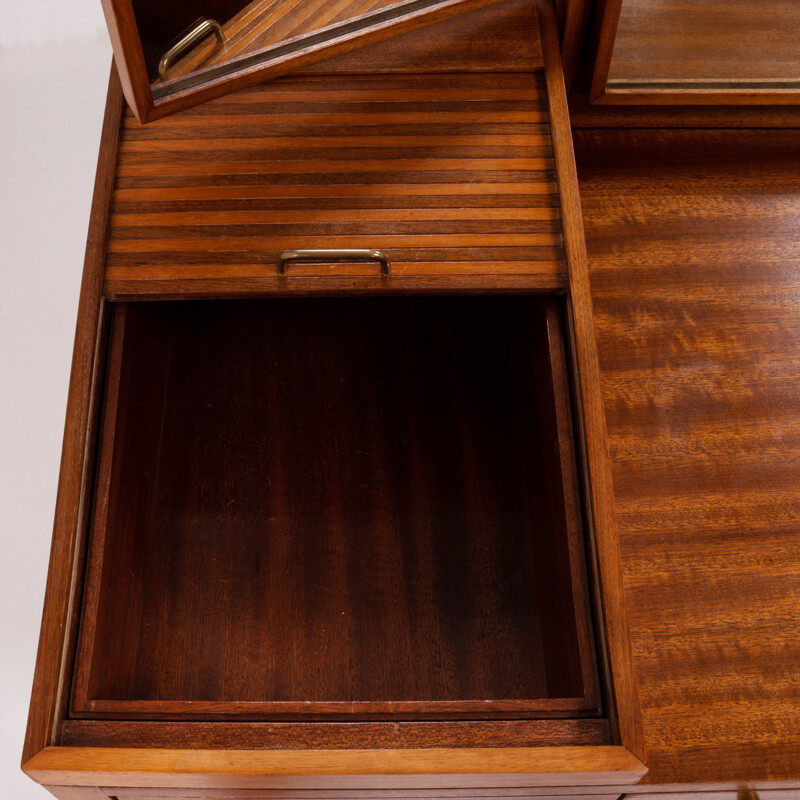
{"points": [[128, 56], [757, 791], [334, 735], [596, 465], [381, 546], [600, 45], [693, 248], [572, 17], [263, 23], [456, 768], [60, 605], [753, 792], [245, 794], [586, 115], [699, 95], [432, 768], [450, 175], [648, 52], [732, 794], [493, 39], [395, 21], [213, 82], [737, 42]]}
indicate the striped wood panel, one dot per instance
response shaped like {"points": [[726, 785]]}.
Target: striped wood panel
{"points": [[450, 175]]}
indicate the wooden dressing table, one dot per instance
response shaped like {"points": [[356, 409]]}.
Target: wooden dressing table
{"points": [[359, 497]]}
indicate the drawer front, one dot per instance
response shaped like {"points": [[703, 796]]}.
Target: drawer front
{"points": [[449, 177]]}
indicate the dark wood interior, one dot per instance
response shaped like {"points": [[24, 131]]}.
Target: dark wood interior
{"points": [[337, 506], [249, 27], [263, 24], [159, 24]]}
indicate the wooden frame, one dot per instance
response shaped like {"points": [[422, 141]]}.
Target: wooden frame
{"points": [[49, 696], [590, 401], [573, 21], [601, 41], [369, 29], [468, 768]]}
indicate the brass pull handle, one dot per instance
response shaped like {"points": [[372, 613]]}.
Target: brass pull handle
{"points": [[310, 256], [198, 31]]}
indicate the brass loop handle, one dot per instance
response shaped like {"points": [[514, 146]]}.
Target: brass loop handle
{"points": [[198, 31], [311, 256]]}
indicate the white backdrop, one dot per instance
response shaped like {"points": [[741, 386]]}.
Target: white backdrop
{"points": [[54, 63], [46, 22]]}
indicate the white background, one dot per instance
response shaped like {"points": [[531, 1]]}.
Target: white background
{"points": [[54, 65]]}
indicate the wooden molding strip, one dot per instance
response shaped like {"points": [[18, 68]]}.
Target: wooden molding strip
{"points": [[465, 767], [695, 94], [601, 491]]}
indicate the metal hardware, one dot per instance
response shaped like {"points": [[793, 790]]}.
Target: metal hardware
{"points": [[310, 42], [198, 31], [310, 256]]}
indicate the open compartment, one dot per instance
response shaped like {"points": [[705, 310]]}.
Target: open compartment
{"points": [[351, 508]]}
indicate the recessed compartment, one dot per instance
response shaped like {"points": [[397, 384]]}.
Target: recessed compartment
{"points": [[349, 508]]}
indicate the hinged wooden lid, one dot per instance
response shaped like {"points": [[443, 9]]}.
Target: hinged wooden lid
{"points": [[172, 56]]}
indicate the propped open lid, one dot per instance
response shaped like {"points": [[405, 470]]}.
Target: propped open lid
{"points": [[174, 55]]}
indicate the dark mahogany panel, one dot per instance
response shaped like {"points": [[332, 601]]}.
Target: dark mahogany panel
{"points": [[311, 503]]}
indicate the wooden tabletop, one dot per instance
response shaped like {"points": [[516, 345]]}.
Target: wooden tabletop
{"points": [[694, 253]]}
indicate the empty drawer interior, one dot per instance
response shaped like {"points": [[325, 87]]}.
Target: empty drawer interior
{"points": [[333, 507]]}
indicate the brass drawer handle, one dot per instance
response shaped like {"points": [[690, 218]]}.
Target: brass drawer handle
{"points": [[310, 256], [198, 31]]}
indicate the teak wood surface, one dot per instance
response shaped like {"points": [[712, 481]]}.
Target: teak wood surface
{"points": [[431, 169], [692, 250], [672, 53], [542, 766], [492, 39], [262, 23], [737, 43], [451, 176], [130, 60], [586, 115]]}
